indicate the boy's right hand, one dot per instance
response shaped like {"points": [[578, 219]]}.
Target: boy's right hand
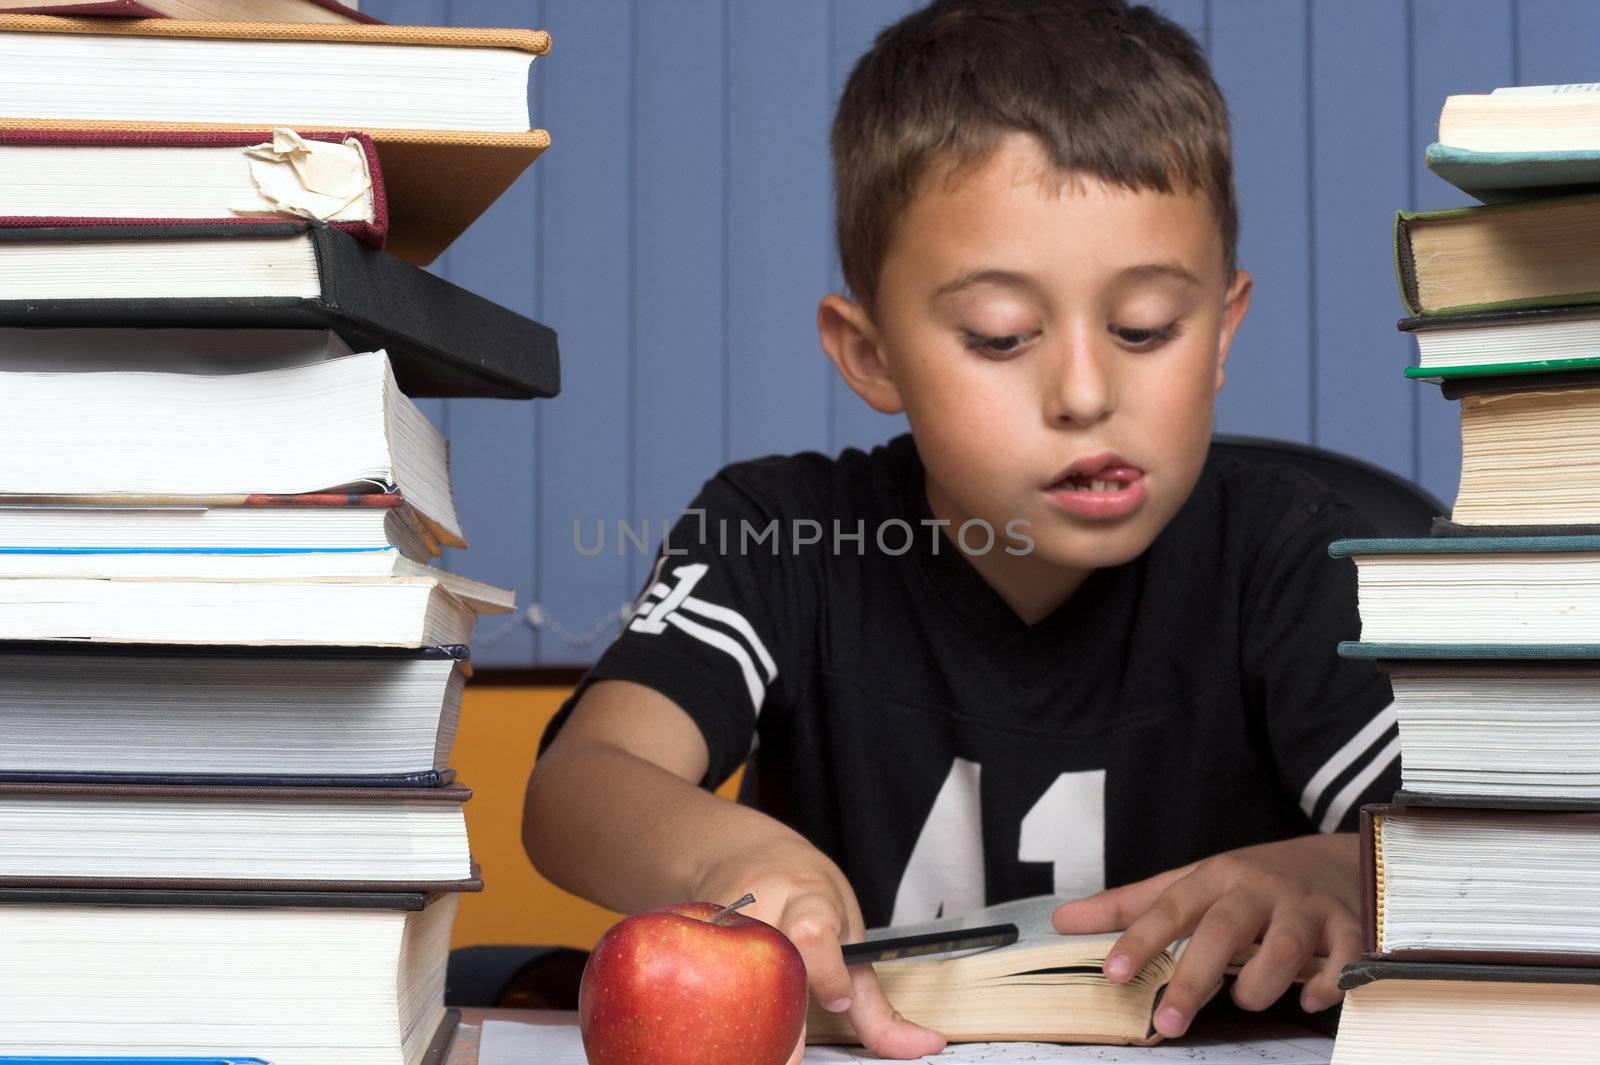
{"points": [[799, 891]]}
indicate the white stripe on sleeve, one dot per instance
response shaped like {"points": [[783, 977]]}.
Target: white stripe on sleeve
{"points": [[1359, 783], [735, 621], [727, 644], [1345, 757]]}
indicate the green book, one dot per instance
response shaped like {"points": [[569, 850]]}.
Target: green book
{"points": [[1542, 253], [1476, 592], [1509, 177], [1513, 343]]}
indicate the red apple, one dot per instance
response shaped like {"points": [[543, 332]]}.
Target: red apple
{"points": [[673, 987]]}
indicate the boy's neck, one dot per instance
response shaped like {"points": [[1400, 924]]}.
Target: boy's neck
{"points": [[1032, 586]]}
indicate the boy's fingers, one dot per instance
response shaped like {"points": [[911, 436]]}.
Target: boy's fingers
{"points": [[1115, 908], [1291, 939], [1226, 926], [1172, 915], [812, 924], [1344, 947], [882, 1030]]}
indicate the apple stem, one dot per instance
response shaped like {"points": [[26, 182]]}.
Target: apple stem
{"points": [[730, 907]]}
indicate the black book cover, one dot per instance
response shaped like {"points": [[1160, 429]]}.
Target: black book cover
{"points": [[1360, 973], [441, 339], [457, 652], [321, 900]]}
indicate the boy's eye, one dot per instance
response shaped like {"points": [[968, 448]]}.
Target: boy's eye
{"points": [[1145, 339], [1000, 347]]}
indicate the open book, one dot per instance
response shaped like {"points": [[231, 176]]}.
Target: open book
{"points": [[1046, 986]]}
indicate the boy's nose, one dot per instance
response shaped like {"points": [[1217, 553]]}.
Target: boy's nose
{"points": [[1081, 390]]}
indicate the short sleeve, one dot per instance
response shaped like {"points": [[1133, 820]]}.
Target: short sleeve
{"points": [[716, 625], [1330, 720]]}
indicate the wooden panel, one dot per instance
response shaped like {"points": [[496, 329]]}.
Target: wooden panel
{"points": [[1192, 15], [778, 218], [1457, 46], [1360, 155], [676, 396], [585, 251], [1258, 54], [1556, 41], [851, 423]]}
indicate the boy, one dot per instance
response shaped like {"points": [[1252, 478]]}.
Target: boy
{"points": [[1041, 644]]}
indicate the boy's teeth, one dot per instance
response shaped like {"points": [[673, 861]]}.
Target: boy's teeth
{"points": [[1092, 486]]}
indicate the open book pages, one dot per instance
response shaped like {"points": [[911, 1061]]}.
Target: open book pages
{"points": [[1045, 986]]}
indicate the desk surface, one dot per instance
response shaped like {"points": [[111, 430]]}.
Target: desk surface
{"points": [[1221, 1019], [464, 1047]]}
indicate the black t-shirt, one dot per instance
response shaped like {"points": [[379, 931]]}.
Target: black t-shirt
{"points": [[949, 756]]}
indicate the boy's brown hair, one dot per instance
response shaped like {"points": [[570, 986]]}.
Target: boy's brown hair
{"points": [[1109, 90]]}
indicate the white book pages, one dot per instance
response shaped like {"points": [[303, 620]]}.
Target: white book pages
{"points": [[115, 78], [117, 181], [159, 269]]}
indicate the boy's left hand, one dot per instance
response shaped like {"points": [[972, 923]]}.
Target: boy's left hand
{"points": [[1299, 897]]}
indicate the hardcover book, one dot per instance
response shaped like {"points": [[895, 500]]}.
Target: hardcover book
{"points": [[301, 978], [443, 340], [171, 837], [1485, 597], [447, 107], [1513, 885], [329, 11], [340, 425], [1536, 254], [254, 524], [1511, 343], [418, 607], [1521, 728], [308, 717], [131, 177], [1466, 1014]]}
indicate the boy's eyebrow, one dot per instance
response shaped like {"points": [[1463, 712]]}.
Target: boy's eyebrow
{"points": [[1163, 271], [986, 277], [1167, 271]]}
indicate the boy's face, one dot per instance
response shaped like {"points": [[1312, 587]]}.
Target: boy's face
{"points": [[1057, 348]]}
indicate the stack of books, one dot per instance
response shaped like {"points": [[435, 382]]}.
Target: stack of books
{"points": [[229, 672], [1483, 876]]}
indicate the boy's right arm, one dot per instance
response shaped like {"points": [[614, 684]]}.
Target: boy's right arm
{"points": [[614, 813]]}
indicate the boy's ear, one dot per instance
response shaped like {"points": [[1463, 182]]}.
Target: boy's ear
{"points": [[1234, 306], [851, 340]]}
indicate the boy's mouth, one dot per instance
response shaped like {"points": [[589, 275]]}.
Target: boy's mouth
{"points": [[1096, 473], [1101, 487]]}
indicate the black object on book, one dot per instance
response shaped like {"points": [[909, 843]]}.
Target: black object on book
{"points": [[441, 339], [917, 946]]}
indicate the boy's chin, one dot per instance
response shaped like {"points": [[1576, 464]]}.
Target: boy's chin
{"points": [[1093, 548]]}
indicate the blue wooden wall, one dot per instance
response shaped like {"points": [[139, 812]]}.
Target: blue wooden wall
{"points": [[677, 234]]}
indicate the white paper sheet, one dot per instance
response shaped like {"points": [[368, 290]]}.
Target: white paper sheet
{"points": [[1268, 1043]]}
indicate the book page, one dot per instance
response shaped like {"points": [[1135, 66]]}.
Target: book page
{"points": [[1260, 1041], [1030, 915]]}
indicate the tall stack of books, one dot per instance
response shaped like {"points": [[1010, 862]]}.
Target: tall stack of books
{"points": [[1483, 876], [229, 676]]}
